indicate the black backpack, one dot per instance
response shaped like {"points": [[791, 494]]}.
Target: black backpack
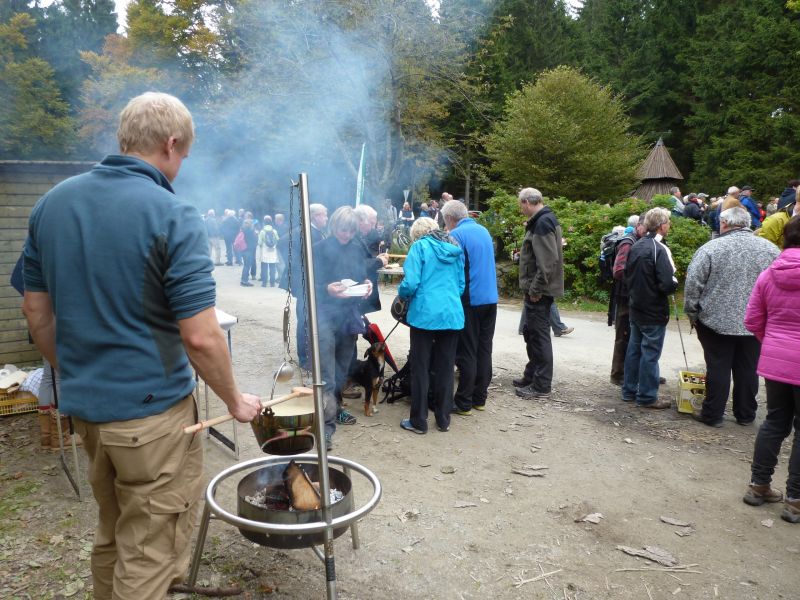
{"points": [[270, 239], [608, 252]]}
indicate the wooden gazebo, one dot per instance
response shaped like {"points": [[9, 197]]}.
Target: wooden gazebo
{"points": [[658, 173]]}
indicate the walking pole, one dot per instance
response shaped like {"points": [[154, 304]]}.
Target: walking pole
{"points": [[680, 335]]}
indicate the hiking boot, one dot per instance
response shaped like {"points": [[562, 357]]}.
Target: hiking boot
{"points": [[661, 403], [699, 418], [521, 382], [566, 331], [406, 424], [791, 510], [345, 418], [531, 393], [757, 494], [480, 407]]}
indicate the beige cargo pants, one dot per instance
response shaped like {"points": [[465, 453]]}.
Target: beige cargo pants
{"points": [[147, 478]]}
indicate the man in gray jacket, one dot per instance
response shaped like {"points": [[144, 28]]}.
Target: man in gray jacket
{"points": [[718, 285], [541, 279]]}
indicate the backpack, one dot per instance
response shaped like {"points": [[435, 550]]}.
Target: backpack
{"points": [[608, 252], [270, 239], [239, 244]]}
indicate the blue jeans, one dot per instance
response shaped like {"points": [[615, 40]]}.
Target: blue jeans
{"points": [[556, 324], [641, 363]]}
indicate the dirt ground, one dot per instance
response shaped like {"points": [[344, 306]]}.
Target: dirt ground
{"points": [[455, 521]]}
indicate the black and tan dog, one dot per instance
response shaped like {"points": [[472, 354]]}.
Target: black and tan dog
{"points": [[368, 374]]}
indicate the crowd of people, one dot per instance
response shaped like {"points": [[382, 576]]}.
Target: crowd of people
{"points": [[126, 334]]}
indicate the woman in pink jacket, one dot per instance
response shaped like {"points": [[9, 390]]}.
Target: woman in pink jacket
{"points": [[773, 315]]}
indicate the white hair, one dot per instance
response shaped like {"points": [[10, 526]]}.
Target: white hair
{"points": [[735, 217], [633, 220], [733, 190], [454, 211], [364, 212], [530, 196]]}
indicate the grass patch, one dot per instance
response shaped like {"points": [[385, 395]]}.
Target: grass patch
{"points": [[15, 499]]}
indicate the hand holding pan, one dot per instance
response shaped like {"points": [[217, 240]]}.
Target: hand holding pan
{"points": [[296, 393]]}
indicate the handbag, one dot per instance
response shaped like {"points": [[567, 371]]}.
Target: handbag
{"points": [[239, 244], [399, 309]]}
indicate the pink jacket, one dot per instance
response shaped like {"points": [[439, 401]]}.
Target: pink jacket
{"points": [[773, 315]]}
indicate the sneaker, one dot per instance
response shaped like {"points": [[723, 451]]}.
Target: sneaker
{"points": [[444, 429], [757, 494], [406, 424], [521, 382], [661, 403], [699, 418], [328, 442], [529, 392], [245, 284], [351, 392], [791, 511], [563, 332], [461, 413], [345, 418], [480, 407]]}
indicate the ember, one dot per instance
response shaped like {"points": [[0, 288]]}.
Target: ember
{"points": [[275, 498]]}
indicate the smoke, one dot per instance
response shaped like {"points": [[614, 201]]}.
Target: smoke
{"points": [[316, 80]]}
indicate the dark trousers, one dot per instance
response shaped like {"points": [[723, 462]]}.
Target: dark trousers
{"points": [[336, 352], [270, 269], [622, 333], [538, 344], [726, 354], [783, 410], [229, 251], [474, 355], [249, 263], [251, 256], [432, 350]]}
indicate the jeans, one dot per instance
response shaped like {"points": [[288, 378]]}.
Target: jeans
{"points": [[336, 352], [556, 324], [783, 410], [271, 270], [641, 363], [248, 265], [229, 251], [538, 344], [725, 354], [432, 350], [474, 356]]}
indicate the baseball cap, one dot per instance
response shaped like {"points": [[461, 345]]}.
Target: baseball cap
{"points": [[747, 188]]}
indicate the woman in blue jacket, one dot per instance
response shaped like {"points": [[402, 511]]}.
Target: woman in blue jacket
{"points": [[433, 282]]}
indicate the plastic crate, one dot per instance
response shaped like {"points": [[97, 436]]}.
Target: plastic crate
{"points": [[691, 391], [17, 402]]}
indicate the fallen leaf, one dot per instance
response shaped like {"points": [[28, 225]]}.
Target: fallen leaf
{"points": [[591, 518], [408, 549], [423, 465], [676, 522], [685, 531], [628, 441], [528, 472], [484, 500]]}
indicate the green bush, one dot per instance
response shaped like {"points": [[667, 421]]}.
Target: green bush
{"points": [[583, 225]]}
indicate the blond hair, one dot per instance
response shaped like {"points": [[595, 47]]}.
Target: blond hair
{"points": [[151, 119], [344, 219], [422, 226], [655, 218]]}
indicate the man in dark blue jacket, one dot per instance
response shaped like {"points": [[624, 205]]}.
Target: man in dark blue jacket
{"points": [[474, 353], [650, 279], [124, 330]]}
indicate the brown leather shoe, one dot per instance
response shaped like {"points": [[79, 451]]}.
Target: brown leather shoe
{"points": [[757, 494], [661, 403], [791, 511]]}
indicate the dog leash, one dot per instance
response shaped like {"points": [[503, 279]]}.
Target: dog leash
{"points": [[392, 331]]}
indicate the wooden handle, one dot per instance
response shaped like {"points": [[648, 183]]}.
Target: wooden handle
{"points": [[296, 393]]}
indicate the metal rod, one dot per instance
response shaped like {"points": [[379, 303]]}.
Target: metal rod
{"points": [[319, 421], [198, 546], [354, 525]]}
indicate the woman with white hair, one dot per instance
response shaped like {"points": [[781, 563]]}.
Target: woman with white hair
{"points": [[433, 282]]}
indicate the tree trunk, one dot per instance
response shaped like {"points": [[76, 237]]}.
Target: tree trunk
{"points": [[466, 187]]}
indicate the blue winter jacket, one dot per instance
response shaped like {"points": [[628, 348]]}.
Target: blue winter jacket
{"points": [[476, 242], [434, 281]]}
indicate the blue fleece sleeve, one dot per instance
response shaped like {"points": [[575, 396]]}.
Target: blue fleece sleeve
{"points": [[32, 267], [188, 283]]}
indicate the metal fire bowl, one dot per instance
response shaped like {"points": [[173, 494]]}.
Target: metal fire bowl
{"points": [[292, 415], [272, 475], [289, 445]]}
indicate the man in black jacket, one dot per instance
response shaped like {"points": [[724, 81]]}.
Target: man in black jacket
{"points": [[541, 279], [650, 279]]}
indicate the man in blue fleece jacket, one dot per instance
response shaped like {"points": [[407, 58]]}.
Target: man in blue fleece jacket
{"points": [[121, 308], [474, 353]]}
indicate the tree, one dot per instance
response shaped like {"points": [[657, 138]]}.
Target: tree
{"points": [[746, 99], [567, 135], [34, 120]]}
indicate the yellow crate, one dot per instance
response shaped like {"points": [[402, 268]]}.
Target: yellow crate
{"points": [[691, 391], [17, 402]]}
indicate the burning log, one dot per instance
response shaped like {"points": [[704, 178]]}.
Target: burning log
{"points": [[302, 493]]}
